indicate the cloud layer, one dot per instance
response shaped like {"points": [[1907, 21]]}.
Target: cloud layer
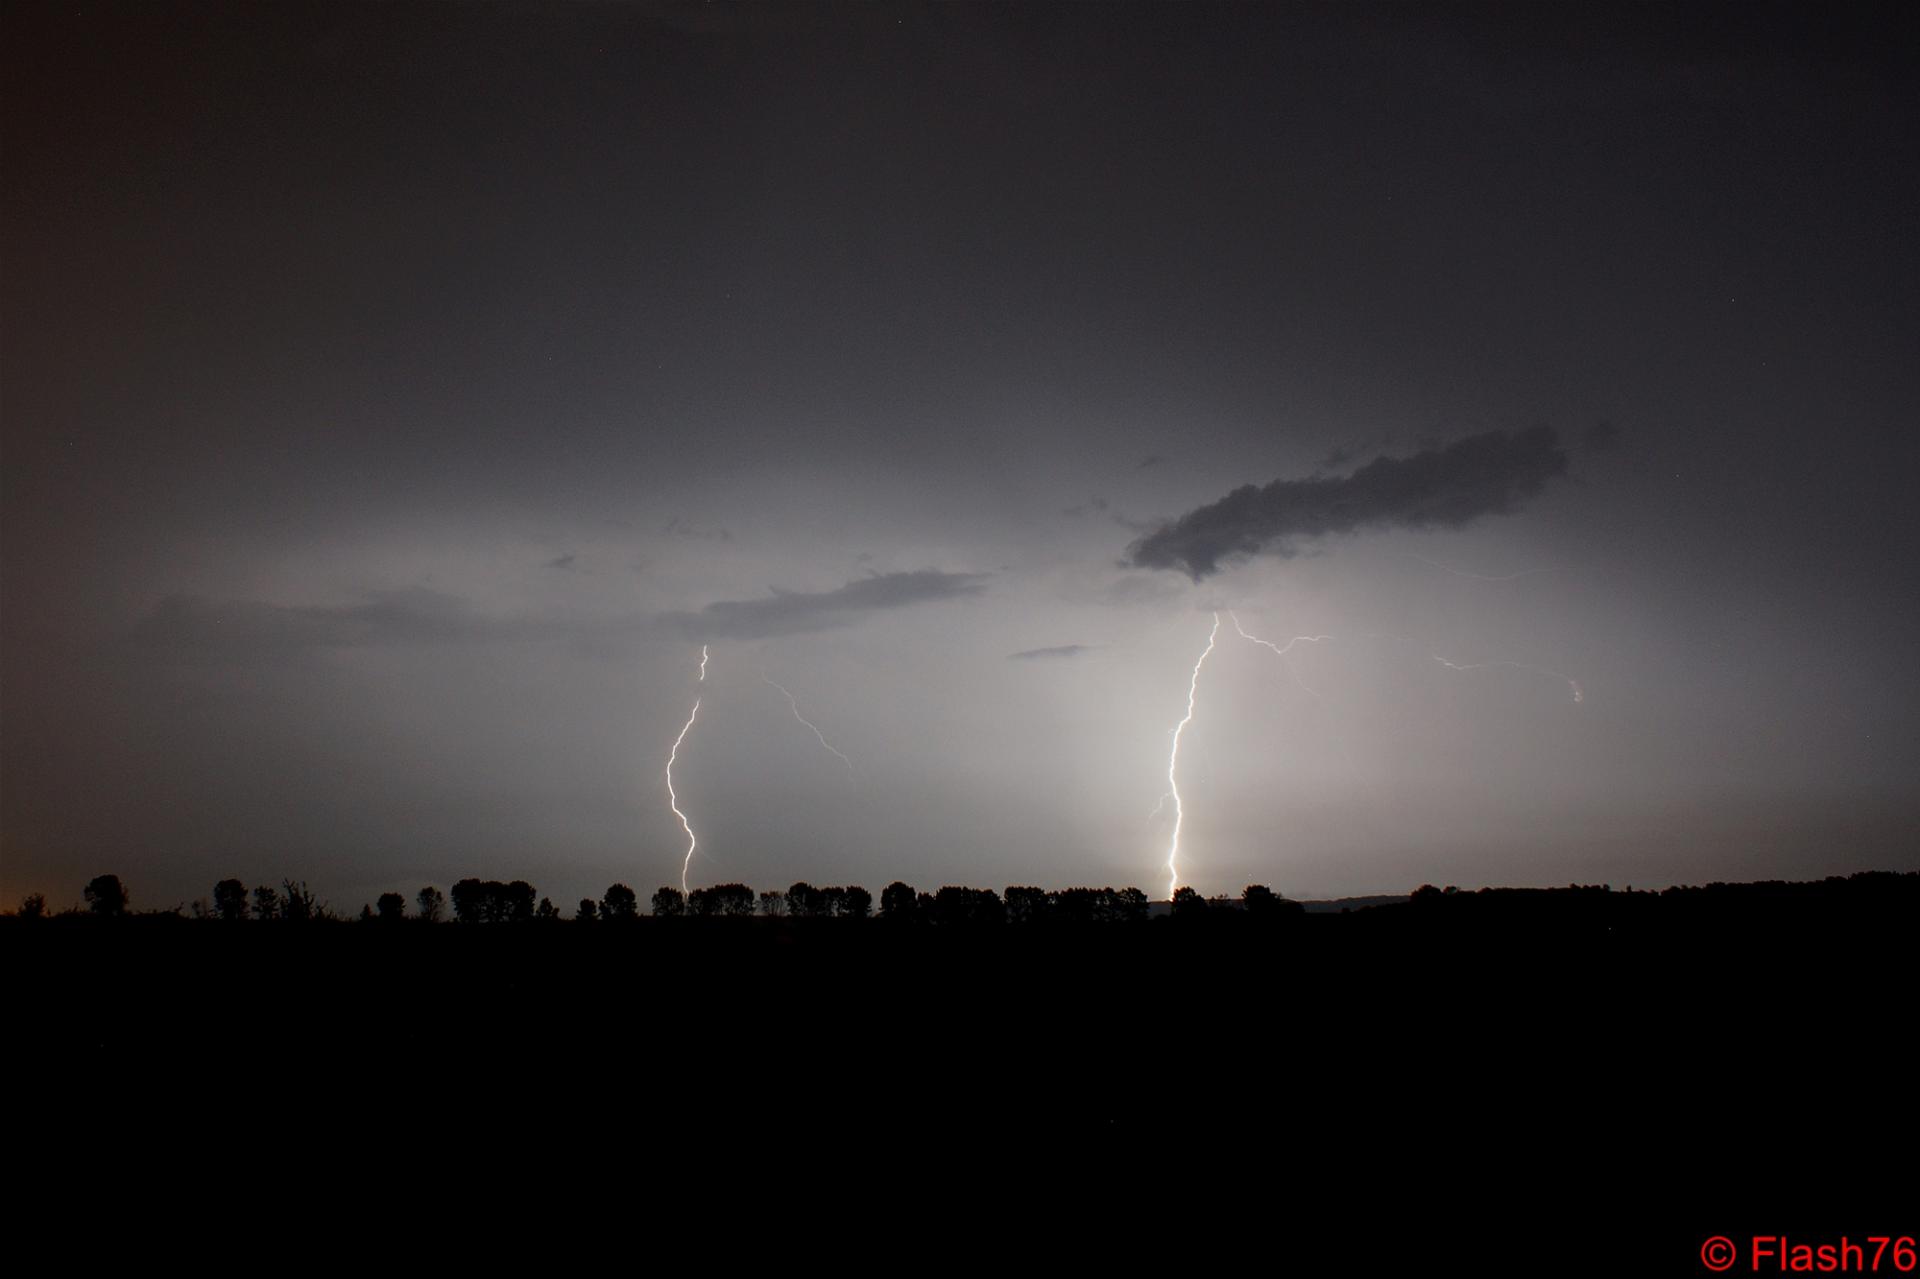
{"points": [[239, 628], [1490, 474], [794, 613], [244, 629]]}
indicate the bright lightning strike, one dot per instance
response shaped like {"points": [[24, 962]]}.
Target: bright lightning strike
{"points": [[673, 800], [1173, 765], [809, 723]]}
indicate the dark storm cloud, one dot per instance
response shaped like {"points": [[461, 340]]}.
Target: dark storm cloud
{"points": [[563, 561], [1058, 650], [792, 613], [1490, 474]]}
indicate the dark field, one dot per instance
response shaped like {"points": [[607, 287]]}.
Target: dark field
{"points": [[1691, 1062]]}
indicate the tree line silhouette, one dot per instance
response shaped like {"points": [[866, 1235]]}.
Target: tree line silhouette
{"points": [[1591, 907], [490, 901]]}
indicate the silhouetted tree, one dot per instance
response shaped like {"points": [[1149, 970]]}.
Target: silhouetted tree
{"points": [[298, 903], [835, 902], [432, 902], [1129, 906], [516, 902], [546, 910], [898, 902], [33, 906], [773, 903], [1188, 904], [392, 906], [266, 902], [733, 900], [804, 901], [230, 899], [1025, 905], [1066, 906], [619, 902], [1262, 902], [469, 901], [957, 905], [106, 895], [495, 907], [492, 902], [668, 902], [586, 911]]}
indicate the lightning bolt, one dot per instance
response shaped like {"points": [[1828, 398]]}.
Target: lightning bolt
{"points": [[1283, 650], [1579, 694], [1173, 765], [673, 800], [1303, 686], [809, 723], [1298, 639]]}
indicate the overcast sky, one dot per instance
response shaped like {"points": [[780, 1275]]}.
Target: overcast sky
{"points": [[396, 398]]}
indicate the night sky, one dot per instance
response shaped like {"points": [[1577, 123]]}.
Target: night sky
{"points": [[396, 398]]}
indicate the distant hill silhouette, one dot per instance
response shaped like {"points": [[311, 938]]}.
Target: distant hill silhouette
{"points": [[1334, 905]]}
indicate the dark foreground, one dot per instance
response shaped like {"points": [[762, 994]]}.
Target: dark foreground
{"points": [[1464, 1079]]}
